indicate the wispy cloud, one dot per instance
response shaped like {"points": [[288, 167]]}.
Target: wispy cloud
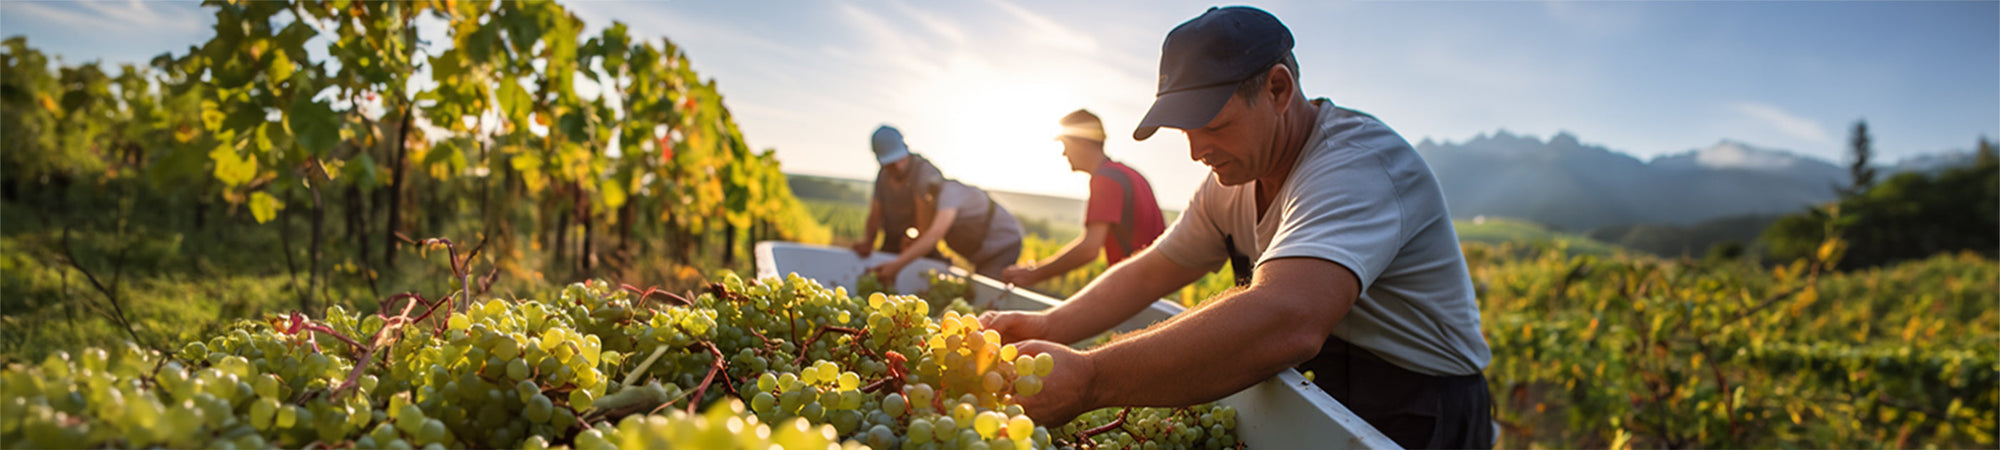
{"points": [[153, 17], [1045, 31], [1785, 122]]}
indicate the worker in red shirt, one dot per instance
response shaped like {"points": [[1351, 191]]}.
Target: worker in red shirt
{"points": [[1122, 217]]}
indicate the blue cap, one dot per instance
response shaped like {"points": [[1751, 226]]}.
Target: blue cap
{"points": [[1205, 58], [889, 146]]}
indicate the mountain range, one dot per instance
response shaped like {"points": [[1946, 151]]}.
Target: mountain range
{"points": [[1569, 185]]}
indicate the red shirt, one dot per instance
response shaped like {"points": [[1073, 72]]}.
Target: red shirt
{"points": [[1133, 226]]}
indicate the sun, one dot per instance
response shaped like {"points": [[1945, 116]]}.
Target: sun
{"points": [[995, 128]]}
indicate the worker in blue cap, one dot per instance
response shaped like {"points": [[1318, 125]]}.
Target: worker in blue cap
{"points": [[1345, 259], [911, 194]]}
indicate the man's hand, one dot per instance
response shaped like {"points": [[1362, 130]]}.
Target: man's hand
{"points": [[1066, 391], [887, 272], [864, 248], [1015, 326], [1018, 275]]}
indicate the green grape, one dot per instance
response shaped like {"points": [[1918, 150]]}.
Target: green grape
{"points": [[432, 432], [894, 405], [920, 431], [538, 408], [993, 381], [1027, 385], [763, 402]]}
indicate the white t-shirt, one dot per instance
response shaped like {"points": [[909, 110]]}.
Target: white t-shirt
{"points": [[1360, 197]]}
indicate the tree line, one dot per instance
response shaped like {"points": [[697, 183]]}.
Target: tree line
{"points": [[596, 150]]}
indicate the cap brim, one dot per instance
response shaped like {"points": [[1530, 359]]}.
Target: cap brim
{"points": [[1188, 109], [894, 156]]}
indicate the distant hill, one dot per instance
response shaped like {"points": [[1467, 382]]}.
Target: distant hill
{"points": [[1571, 186], [1491, 230]]}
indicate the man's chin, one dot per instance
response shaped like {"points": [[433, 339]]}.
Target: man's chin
{"points": [[1228, 177]]}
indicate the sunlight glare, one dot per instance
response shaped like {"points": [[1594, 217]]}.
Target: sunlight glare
{"points": [[991, 126]]}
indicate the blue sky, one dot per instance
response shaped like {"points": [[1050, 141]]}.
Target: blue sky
{"points": [[977, 85]]}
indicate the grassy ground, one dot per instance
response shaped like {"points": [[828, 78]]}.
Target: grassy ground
{"points": [[124, 263]]}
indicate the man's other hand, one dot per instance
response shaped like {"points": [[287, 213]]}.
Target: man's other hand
{"points": [[1015, 326], [1018, 275], [1066, 391]]}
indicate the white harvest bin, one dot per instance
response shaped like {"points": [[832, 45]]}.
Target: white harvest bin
{"points": [[1284, 412]]}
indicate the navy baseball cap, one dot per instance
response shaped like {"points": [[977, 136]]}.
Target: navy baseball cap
{"points": [[888, 145], [1205, 58]]}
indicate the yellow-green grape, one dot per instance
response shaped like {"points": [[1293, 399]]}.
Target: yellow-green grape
{"points": [[287, 416], [1044, 364], [1008, 352], [767, 382], [987, 424], [266, 385], [1020, 427], [963, 412], [263, 411], [580, 399], [849, 381]]}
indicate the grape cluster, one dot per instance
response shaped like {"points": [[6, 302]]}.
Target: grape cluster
{"points": [[1206, 426], [782, 362]]}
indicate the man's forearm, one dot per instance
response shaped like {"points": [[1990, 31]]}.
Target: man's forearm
{"points": [[1117, 295], [1207, 355], [1072, 256]]}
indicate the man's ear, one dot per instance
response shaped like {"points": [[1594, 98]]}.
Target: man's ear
{"points": [[1280, 86]]}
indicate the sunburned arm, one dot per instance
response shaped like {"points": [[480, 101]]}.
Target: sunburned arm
{"points": [[1081, 251]]}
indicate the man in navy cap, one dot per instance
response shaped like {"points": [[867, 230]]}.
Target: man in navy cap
{"points": [[910, 194], [1345, 259]]}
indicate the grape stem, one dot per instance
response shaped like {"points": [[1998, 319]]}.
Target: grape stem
{"points": [[720, 365], [1117, 423], [650, 290]]}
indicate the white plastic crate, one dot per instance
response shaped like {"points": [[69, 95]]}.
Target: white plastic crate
{"points": [[1283, 412]]}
